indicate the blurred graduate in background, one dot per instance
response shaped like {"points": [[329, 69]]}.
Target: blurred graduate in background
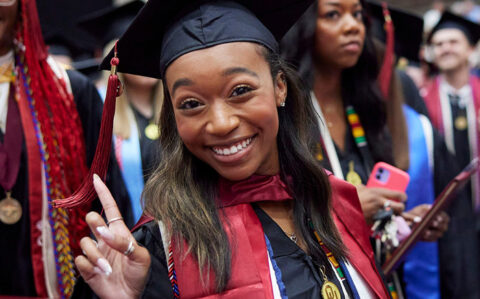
{"points": [[49, 126]]}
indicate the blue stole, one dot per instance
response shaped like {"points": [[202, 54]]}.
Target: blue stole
{"points": [[421, 268], [132, 173]]}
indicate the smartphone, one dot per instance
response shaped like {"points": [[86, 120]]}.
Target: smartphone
{"points": [[387, 176]]}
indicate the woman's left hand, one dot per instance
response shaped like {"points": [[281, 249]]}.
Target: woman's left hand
{"points": [[438, 226]]}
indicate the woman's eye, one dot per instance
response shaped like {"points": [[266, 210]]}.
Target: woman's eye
{"points": [[332, 14], [240, 90], [189, 104], [358, 14]]}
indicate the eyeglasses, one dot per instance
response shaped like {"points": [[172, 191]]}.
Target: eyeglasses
{"points": [[7, 2]]}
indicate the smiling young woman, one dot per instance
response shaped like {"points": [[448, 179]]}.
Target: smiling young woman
{"points": [[241, 207]]}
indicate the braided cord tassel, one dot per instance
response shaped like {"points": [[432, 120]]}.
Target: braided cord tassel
{"points": [[58, 218]]}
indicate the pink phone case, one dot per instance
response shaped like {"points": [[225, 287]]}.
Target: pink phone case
{"points": [[387, 176]]}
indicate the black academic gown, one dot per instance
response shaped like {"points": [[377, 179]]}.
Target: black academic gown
{"points": [[16, 276], [149, 149], [458, 248], [300, 273]]}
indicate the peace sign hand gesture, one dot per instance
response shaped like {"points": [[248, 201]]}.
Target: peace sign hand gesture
{"points": [[116, 266]]}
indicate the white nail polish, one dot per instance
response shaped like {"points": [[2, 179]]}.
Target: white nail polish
{"points": [[104, 266], [105, 232]]}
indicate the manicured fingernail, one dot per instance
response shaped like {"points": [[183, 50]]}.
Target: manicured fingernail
{"points": [[105, 232], [95, 177], [105, 266]]}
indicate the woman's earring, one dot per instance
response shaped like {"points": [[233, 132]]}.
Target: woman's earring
{"points": [[282, 104]]}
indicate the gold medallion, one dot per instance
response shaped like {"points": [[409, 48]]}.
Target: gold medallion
{"points": [[461, 123], [152, 131], [329, 289], [10, 210], [353, 177]]}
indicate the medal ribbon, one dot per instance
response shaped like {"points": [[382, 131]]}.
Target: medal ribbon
{"points": [[326, 144], [358, 134], [10, 155]]}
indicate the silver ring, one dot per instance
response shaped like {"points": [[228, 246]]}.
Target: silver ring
{"points": [[114, 219], [387, 203], [130, 249]]}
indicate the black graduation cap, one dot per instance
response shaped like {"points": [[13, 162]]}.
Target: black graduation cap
{"points": [[450, 20], [89, 67], [58, 19], [165, 30], [110, 23], [408, 29]]}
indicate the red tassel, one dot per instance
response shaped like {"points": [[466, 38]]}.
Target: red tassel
{"points": [[86, 192], [386, 70]]}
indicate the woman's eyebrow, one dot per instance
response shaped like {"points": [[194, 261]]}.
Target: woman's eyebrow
{"points": [[239, 70], [181, 82]]}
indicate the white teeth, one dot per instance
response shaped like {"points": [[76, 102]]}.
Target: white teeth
{"points": [[233, 149]]}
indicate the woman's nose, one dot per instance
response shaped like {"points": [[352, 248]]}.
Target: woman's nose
{"points": [[351, 24], [222, 119]]}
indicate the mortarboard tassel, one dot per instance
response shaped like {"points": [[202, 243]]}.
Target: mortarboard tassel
{"points": [[86, 193], [386, 70]]}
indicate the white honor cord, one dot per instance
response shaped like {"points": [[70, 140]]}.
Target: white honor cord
{"points": [[327, 140]]}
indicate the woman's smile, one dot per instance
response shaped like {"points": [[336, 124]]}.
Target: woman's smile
{"points": [[237, 148], [226, 111]]}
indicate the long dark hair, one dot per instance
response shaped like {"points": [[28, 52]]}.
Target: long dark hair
{"points": [[182, 190], [358, 83]]}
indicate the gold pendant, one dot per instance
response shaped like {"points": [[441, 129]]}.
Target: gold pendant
{"points": [[152, 131], [353, 177], [319, 154], [461, 123], [329, 289], [10, 210]]}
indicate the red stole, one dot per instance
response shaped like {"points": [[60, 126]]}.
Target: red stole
{"points": [[250, 277], [34, 191]]}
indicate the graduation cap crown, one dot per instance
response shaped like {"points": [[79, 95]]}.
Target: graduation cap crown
{"points": [[163, 31], [453, 21]]}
